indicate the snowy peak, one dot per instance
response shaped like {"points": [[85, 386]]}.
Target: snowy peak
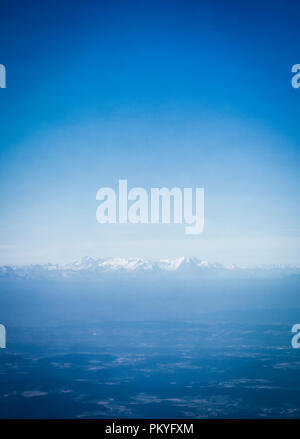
{"points": [[130, 264]]}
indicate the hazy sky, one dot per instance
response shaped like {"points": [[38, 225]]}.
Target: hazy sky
{"points": [[162, 94]]}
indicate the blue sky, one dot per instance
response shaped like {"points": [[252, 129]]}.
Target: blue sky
{"points": [[161, 93]]}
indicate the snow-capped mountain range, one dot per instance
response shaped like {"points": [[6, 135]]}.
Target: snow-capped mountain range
{"points": [[89, 267]]}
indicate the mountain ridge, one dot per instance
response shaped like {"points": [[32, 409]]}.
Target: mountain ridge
{"points": [[185, 266]]}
